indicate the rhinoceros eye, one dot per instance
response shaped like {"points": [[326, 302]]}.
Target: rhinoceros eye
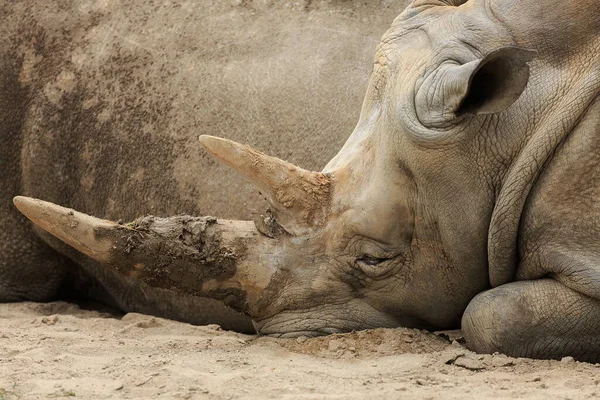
{"points": [[374, 267], [455, 3], [370, 261]]}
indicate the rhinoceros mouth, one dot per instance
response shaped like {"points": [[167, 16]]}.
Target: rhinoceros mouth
{"points": [[320, 321], [309, 334], [287, 332], [324, 320]]}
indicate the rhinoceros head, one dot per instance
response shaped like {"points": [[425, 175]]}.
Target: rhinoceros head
{"points": [[394, 230]]}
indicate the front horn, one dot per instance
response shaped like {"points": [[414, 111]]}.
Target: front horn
{"points": [[203, 256]]}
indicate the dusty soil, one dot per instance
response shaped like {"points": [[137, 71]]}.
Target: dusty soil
{"points": [[59, 350]]}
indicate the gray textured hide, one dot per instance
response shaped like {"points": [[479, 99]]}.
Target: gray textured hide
{"points": [[101, 104]]}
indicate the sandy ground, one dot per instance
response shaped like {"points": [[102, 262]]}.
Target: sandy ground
{"points": [[59, 350]]}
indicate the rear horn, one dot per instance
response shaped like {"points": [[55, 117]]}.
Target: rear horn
{"points": [[299, 198]]}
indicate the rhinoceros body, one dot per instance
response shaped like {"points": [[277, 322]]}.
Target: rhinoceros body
{"points": [[467, 195]]}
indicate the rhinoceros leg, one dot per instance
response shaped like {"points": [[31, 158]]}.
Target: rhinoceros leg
{"points": [[29, 269], [539, 319]]}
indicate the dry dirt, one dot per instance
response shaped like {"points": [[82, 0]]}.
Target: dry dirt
{"points": [[59, 350]]}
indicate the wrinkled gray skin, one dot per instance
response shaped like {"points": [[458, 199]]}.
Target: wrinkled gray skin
{"points": [[101, 105], [466, 194]]}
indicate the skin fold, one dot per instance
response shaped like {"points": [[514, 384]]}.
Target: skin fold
{"points": [[465, 197]]}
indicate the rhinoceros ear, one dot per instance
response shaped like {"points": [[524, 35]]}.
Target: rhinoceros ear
{"points": [[479, 87], [497, 82]]}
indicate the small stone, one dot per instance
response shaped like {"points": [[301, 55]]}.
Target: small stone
{"points": [[498, 361], [568, 359], [335, 345], [469, 363], [51, 320], [451, 356], [450, 335], [213, 327], [301, 339], [227, 342]]}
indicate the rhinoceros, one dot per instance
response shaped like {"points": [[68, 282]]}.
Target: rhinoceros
{"points": [[466, 196], [108, 98]]}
